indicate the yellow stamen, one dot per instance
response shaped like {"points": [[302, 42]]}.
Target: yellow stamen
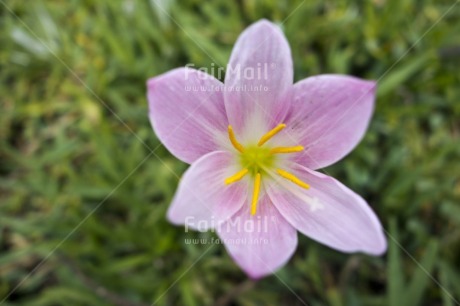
{"points": [[255, 195], [286, 149], [292, 178], [271, 133], [233, 140], [236, 177]]}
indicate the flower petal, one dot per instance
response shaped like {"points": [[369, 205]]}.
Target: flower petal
{"points": [[328, 212], [258, 77], [262, 243], [187, 112], [203, 200], [330, 114]]}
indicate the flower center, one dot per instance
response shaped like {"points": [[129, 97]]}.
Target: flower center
{"points": [[256, 160]]}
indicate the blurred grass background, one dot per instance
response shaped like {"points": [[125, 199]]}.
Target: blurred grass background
{"points": [[67, 161]]}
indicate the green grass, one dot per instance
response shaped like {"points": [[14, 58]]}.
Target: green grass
{"points": [[74, 136]]}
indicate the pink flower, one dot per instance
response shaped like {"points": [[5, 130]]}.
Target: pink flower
{"points": [[253, 144]]}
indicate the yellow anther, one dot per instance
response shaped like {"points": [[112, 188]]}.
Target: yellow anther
{"points": [[255, 195], [236, 177], [271, 133], [286, 149], [292, 178], [233, 140]]}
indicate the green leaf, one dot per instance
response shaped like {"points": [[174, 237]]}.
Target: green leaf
{"points": [[423, 275], [395, 278], [400, 73]]}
